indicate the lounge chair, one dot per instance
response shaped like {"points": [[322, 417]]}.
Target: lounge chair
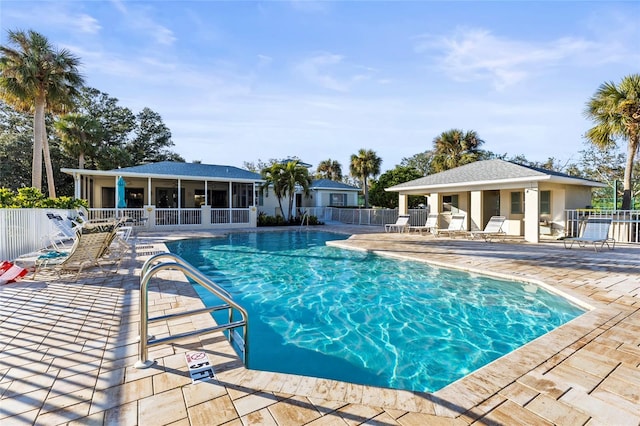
{"points": [[430, 225], [596, 232], [456, 226], [401, 224], [493, 229], [93, 246], [64, 233]]}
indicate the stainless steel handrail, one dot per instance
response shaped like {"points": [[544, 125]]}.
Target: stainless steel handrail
{"points": [[155, 265]]}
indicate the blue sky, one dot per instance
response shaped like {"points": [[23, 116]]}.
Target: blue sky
{"points": [[240, 81]]}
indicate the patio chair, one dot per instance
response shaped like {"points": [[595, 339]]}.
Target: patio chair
{"points": [[64, 234], [493, 229], [400, 226], [431, 224], [91, 247], [595, 231], [456, 226]]}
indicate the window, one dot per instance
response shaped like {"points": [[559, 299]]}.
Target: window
{"points": [[450, 203], [545, 202], [338, 200], [516, 203]]}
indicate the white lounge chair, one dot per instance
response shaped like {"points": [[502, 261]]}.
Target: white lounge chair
{"points": [[401, 224], [493, 229], [456, 226], [95, 245], [430, 225], [64, 235], [596, 232]]}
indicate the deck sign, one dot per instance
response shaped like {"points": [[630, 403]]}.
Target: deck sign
{"points": [[200, 369]]}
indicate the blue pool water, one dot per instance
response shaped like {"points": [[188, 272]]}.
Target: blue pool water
{"points": [[347, 315]]}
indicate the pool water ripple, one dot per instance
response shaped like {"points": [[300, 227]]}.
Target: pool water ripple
{"points": [[347, 315]]}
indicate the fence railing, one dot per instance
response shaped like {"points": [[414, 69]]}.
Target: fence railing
{"points": [[625, 227], [26, 230], [374, 217]]}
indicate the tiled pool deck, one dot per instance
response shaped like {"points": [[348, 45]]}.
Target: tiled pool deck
{"points": [[68, 350]]}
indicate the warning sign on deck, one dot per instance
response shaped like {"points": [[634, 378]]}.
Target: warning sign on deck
{"points": [[200, 369]]}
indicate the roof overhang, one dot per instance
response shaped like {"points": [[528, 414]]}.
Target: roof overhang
{"points": [[115, 173], [328, 188], [488, 185]]}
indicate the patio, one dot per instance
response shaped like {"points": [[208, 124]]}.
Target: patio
{"points": [[68, 350]]}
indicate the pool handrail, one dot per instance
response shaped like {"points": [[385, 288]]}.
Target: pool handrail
{"points": [[154, 265]]}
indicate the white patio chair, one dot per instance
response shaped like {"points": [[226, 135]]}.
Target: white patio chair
{"points": [[456, 226], [493, 229], [431, 224], [400, 226], [595, 231]]}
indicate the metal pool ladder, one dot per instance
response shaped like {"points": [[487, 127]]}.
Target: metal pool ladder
{"points": [[171, 261]]}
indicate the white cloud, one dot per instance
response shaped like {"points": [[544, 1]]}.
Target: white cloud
{"points": [[264, 60], [139, 19], [331, 71], [56, 16], [477, 54], [316, 70]]}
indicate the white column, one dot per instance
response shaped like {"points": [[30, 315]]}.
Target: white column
{"points": [[179, 204], [230, 202], [475, 210], [532, 214], [149, 191], [435, 202], [77, 183], [403, 203]]}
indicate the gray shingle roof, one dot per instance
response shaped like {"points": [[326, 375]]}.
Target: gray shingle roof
{"points": [[484, 171], [332, 184], [173, 168]]}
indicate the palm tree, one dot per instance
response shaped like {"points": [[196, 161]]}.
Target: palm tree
{"points": [[616, 112], [330, 169], [284, 178], [272, 179], [454, 148], [80, 136], [364, 164], [35, 77]]}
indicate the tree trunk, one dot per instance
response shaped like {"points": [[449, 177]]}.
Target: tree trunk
{"points": [[366, 193], [51, 185], [291, 195], [38, 128], [631, 153]]}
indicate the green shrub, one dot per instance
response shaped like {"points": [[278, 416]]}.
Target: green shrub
{"points": [[266, 220], [29, 198]]}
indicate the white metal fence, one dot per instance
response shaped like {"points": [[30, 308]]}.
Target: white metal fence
{"points": [[625, 227], [26, 230], [373, 217]]}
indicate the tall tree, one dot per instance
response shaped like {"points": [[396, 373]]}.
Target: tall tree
{"points": [[151, 140], [80, 136], [454, 148], [16, 136], [364, 164], [421, 162], [37, 77], [615, 110], [400, 174], [329, 169]]}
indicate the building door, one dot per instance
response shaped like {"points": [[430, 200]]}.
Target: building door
{"points": [[490, 206]]}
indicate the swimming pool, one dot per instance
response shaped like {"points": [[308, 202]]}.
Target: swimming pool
{"points": [[352, 316]]}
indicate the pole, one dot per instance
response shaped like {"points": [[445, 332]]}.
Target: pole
{"points": [[615, 194]]}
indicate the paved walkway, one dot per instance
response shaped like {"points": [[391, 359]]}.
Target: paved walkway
{"points": [[68, 350]]}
